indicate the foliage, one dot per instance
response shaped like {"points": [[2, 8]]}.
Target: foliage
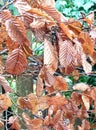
{"points": [[69, 54], [72, 8]]}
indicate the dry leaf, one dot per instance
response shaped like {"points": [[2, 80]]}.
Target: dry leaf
{"points": [[86, 66], [81, 87], [65, 52], [32, 124], [5, 84], [50, 57], [30, 102], [90, 18], [86, 42], [1, 124], [86, 101], [16, 31], [5, 102], [16, 62], [13, 120], [39, 83]]}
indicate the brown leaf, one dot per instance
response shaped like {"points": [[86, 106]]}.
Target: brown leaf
{"points": [[76, 75], [51, 11], [11, 45], [13, 120], [57, 117], [39, 83], [48, 121], [58, 82], [27, 50], [16, 62], [93, 93], [43, 102], [3, 34], [70, 34], [1, 66], [86, 66], [57, 101], [5, 84], [65, 52], [90, 18], [30, 102], [76, 98], [94, 56], [16, 31], [50, 2], [5, 102], [75, 26], [81, 86], [50, 57], [32, 124], [85, 125], [86, 42], [86, 101], [1, 124], [5, 15], [22, 6]]}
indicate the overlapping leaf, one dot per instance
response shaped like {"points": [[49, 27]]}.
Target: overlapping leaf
{"points": [[5, 84], [50, 57], [16, 62], [13, 120], [65, 52], [16, 31], [87, 43], [86, 66], [5, 102], [35, 124]]}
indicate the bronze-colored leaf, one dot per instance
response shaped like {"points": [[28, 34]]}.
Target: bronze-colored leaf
{"points": [[16, 62], [57, 117], [50, 57], [90, 18], [57, 101], [13, 120], [5, 15], [65, 53], [85, 125], [86, 66], [5, 102], [86, 42], [11, 45], [58, 82], [16, 31], [1, 66], [27, 50], [1, 124], [5, 84], [32, 124], [51, 11], [81, 86], [29, 102], [39, 83], [86, 101]]}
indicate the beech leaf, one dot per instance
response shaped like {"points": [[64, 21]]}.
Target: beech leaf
{"points": [[16, 62]]}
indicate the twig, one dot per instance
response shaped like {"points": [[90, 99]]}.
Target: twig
{"points": [[3, 51]]}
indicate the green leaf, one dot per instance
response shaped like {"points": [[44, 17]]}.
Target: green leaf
{"points": [[13, 10], [88, 5]]}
